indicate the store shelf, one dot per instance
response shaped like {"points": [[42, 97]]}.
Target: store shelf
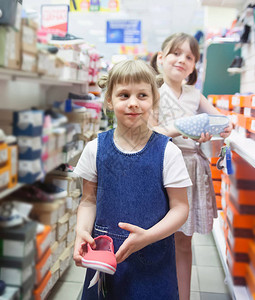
{"points": [[243, 146], [8, 74], [237, 292], [7, 192]]}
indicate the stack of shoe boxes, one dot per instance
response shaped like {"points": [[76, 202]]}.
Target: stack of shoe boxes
{"points": [[28, 45], [5, 170], [70, 55], [17, 260], [238, 217], [27, 126], [216, 177], [43, 263], [244, 115]]}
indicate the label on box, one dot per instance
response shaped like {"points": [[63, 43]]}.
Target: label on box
{"points": [[45, 244], [235, 101], [253, 125], [33, 166], [253, 101], [35, 143], [25, 117], [38, 118], [17, 248], [46, 267], [230, 238], [247, 111], [3, 155], [46, 290], [4, 179], [28, 35], [230, 215]]}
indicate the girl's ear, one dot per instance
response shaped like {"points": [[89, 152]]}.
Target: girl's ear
{"points": [[109, 104], [160, 58]]}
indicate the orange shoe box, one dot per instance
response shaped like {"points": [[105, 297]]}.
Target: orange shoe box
{"points": [[3, 154], [242, 169], [236, 269], [218, 201], [4, 177], [216, 173], [249, 101], [237, 220], [44, 288], [13, 162], [217, 186], [213, 99], [251, 124], [252, 253], [43, 241], [43, 266], [250, 280]]}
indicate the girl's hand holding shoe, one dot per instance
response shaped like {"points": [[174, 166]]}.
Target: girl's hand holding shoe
{"points": [[136, 240], [227, 131], [81, 238], [204, 138]]}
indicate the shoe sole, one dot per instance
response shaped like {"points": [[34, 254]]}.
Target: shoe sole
{"points": [[192, 136], [97, 265]]}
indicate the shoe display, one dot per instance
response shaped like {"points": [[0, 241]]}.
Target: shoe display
{"points": [[194, 126], [9, 216], [57, 119], [236, 65], [53, 190], [68, 39], [102, 258], [33, 193], [64, 170]]}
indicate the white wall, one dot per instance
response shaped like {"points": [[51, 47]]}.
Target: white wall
{"points": [[248, 54]]}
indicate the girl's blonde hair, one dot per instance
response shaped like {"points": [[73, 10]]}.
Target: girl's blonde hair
{"points": [[169, 45], [129, 71]]}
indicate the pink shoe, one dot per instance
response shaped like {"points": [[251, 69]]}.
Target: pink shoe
{"points": [[102, 258]]}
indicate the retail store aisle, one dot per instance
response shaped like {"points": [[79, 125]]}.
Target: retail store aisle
{"points": [[207, 275]]}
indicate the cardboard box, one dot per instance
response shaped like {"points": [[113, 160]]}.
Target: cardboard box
{"points": [[29, 36], [43, 241], [44, 288], [46, 213], [10, 48], [18, 241], [29, 62], [62, 226], [43, 266], [64, 260]]}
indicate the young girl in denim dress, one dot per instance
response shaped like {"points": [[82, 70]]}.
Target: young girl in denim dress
{"points": [[134, 190], [179, 98]]}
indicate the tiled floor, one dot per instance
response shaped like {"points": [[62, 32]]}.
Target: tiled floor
{"points": [[207, 275]]}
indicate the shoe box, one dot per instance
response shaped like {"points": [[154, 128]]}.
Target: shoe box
{"points": [[72, 201], [11, 293], [8, 165], [43, 242], [68, 184], [18, 241]]}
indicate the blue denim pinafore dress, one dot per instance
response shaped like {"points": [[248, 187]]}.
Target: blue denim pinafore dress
{"points": [[130, 189]]}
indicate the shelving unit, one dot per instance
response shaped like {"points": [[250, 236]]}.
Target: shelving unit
{"points": [[242, 146], [8, 74], [7, 192], [237, 292], [73, 158]]}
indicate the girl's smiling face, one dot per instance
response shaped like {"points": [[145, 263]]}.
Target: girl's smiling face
{"points": [[132, 104], [178, 64]]}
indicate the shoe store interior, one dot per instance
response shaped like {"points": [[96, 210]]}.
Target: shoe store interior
{"points": [[52, 54]]}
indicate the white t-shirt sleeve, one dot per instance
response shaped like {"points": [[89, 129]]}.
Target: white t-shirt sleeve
{"points": [[86, 166], [175, 173]]}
